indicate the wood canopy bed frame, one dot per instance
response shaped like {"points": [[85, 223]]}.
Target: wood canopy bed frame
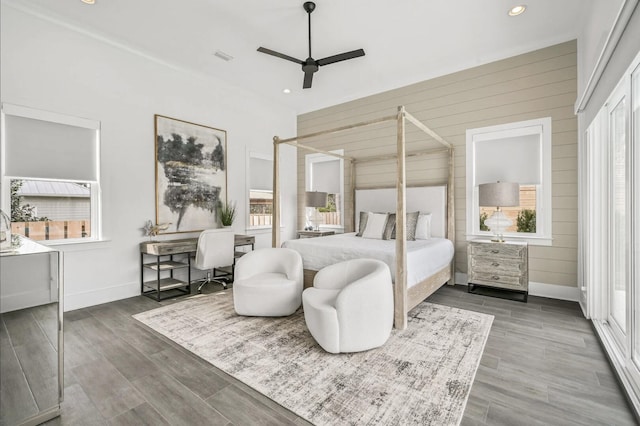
{"points": [[405, 298]]}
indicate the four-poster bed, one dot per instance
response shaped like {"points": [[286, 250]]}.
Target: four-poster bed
{"points": [[405, 298]]}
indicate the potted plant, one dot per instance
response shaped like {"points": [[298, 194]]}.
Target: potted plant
{"points": [[227, 212]]}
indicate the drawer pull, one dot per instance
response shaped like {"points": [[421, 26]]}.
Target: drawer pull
{"points": [[495, 277], [495, 251], [495, 264]]}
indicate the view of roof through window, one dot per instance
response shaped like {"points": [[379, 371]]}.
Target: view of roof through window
{"points": [[50, 210]]}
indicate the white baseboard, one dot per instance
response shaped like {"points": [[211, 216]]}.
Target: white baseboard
{"points": [[102, 295], [552, 291]]}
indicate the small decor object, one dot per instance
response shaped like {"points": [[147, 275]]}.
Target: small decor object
{"points": [[5, 231], [227, 213], [498, 195], [315, 199], [191, 174], [150, 230]]}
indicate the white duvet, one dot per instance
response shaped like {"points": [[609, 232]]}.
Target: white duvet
{"points": [[424, 257]]}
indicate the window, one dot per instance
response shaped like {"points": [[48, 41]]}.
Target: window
{"points": [[515, 152], [50, 174], [610, 227], [325, 173], [260, 191]]}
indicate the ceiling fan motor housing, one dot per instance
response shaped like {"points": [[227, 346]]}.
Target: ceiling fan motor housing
{"points": [[310, 65]]}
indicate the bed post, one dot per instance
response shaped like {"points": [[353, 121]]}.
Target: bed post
{"points": [[275, 223], [352, 168], [451, 214], [400, 287]]}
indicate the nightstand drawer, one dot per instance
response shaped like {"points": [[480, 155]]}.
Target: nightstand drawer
{"points": [[498, 280], [497, 266], [497, 250]]}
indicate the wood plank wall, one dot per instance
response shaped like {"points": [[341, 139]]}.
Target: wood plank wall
{"points": [[538, 84]]}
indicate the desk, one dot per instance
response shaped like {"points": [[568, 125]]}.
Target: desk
{"points": [[164, 252]]}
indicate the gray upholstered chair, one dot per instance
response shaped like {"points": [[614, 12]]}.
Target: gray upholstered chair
{"points": [[268, 283], [350, 306]]}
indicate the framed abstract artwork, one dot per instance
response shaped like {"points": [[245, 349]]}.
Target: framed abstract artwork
{"points": [[191, 175]]}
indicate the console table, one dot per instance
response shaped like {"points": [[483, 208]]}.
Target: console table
{"points": [[32, 338], [164, 262]]}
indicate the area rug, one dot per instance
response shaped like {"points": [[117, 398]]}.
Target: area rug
{"points": [[421, 376]]}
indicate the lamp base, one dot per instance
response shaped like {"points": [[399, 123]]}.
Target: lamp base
{"points": [[497, 223]]}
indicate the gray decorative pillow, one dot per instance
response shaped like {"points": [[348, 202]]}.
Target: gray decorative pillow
{"points": [[363, 223], [390, 227], [411, 222]]}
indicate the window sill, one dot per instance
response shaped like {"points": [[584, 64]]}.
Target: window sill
{"points": [[534, 241], [78, 245], [261, 230]]}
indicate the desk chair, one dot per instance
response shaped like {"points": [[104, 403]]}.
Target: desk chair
{"points": [[215, 250]]}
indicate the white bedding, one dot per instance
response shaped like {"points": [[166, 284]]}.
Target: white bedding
{"points": [[424, 257]]}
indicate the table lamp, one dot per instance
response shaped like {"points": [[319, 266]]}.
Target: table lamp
{"points": [[498, 195], [315, 199]]}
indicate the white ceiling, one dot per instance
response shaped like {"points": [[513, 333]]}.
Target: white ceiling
{"points": [[405, 41]]}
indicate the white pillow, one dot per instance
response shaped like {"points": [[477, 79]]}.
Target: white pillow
{"points": [[375, 225], [423, 228]]}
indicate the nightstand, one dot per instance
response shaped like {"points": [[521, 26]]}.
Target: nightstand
{"points": [[503, 266], [313, 234]]}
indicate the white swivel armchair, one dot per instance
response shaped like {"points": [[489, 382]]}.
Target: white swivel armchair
{"points": [[215, 250], [268, 283], [350, 306]]}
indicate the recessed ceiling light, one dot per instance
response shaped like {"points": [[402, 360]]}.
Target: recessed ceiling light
{"points": [[88, 1], [517, 10], [286, 91]]}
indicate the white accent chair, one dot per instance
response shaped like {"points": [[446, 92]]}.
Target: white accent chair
{"points": [[268, 283], [350, 306], [215, 250]]}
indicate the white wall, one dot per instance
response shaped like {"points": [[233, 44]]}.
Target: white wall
{"points": [[52, 67]]}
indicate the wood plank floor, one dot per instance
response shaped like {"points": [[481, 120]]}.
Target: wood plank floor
{"points": [[542, 365]]}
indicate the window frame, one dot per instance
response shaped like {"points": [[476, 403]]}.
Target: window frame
{"points": [[309, 160], [95, 192], [544, 208], [260, 156]]}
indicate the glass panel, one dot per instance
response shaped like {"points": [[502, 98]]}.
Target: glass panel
{"points": [[617, 292], [50, 210], [635, 96], [330, 215], [260, 208], [522, 217]]}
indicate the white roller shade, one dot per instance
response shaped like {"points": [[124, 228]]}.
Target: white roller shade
{"points": [[511, 159], [325, 176], [44, 149], [261, 171]]}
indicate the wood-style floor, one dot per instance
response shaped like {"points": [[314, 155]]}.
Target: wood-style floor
{"points": [[542, 365]]}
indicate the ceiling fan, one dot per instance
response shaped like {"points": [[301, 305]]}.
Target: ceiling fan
{"points": [[310, 65]]}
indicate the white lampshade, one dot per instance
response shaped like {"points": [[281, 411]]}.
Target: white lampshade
{"points": [[499, 194], [315, 199]]}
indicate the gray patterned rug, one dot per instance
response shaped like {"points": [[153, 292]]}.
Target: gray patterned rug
{"points": [[421, 376]]}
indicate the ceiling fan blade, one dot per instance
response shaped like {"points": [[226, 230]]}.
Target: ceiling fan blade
{"points": [[279, 55], [340, 57], [308, 78]]}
